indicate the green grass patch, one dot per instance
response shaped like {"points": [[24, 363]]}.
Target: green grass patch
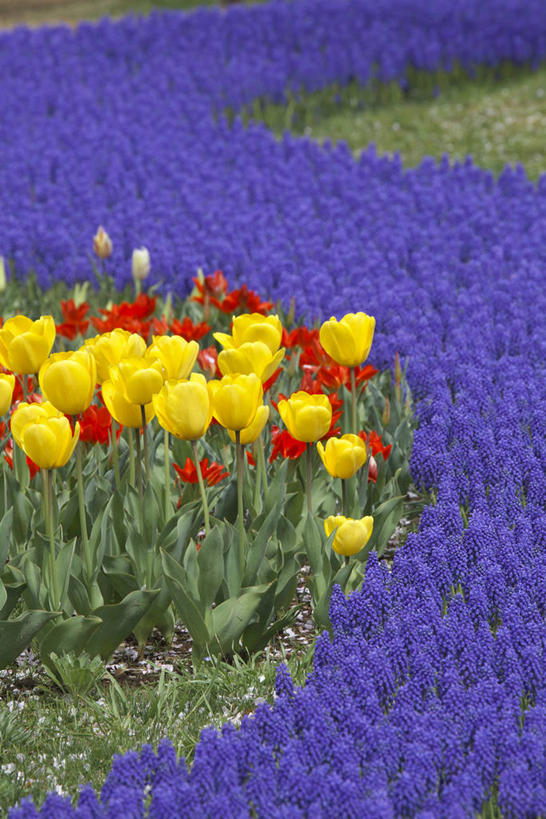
{"points": [[498, 118]]}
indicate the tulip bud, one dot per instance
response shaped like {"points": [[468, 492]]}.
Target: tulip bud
{"points": [[184, 408], [235, 400], [3, 280], [25, 344], [7, 384], [386, 412], [348, 341], [68, 380], [140, 263], [102, 244], [343, 456], [307, 417], [252, 433], [351, 535], [44, 434]]}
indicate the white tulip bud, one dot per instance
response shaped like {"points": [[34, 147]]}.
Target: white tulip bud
{"points": [[102, 244], [141, 263], [3, 280]]}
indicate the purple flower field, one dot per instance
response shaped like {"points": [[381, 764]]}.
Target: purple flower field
{"points": [[432, 695]]}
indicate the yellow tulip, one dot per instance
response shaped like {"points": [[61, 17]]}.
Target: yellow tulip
{"points": [[120, 408], [253, 327], [25, 344], [184, 407], [343, 456], [68, 380], [44, 434], [252, 433], [141, 378], [250, 357], [348, 341], [175, 353], [351, 535], [235, 400], [110, 348], [307, 417], [7, 383]]}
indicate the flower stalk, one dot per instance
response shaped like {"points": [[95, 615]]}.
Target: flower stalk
{"points": [[145, 440], [115, 453], [240, 510], [201, 487], [308, 481]]}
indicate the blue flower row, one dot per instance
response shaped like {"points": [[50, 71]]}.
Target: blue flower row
{"points": [[432, 695]]}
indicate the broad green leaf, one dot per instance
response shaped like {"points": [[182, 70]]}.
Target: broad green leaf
{"points": [[234, 559], [17, 634], [210, 560], [191, 612], [257, 547], [5, 531], [231, 617], [385, 519], [313, 541], [68, 635], [118, 621]]}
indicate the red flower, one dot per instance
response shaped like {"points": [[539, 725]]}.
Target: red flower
{"points": [[188, 330], [212, 474], [376, 444], [372, 470], [96, 425], [250, 458], [159, 326], [214, 286], [74, 322], [299, 337], [8, 457], [271, 380], [128, 316], [283, 444], [243, 299], [208, 361]]}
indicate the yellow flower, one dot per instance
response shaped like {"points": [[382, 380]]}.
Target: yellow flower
{"points": [[307, 417], [102, 243], [7, 383], [68, 380], [25, 344], [184, 407], [348, 341], [110, 348], [175, 353], [351, 535], [118, 405], [235, 400], [141, 378], [252, 433], [250, 357], [44, 434], [253, 327], [343, 456]]}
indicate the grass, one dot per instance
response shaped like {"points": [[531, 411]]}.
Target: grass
{"points": [[53, 741], [498, 120]]}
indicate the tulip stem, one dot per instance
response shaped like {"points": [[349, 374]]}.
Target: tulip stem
{"points": [[145, 439], [139, 476], [353, 397], [308, 483], [81, 506], [167, 465], [343, 497], [261, 460], [201, 487], [240, 511], [115, 453], [48, 488], [258, 482], [131, 456]]}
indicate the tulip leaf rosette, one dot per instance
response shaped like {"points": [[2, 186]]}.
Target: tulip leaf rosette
{"points": [[25, 344]]}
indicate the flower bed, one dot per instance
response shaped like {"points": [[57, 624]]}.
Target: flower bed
{"points": [[431, 698]]}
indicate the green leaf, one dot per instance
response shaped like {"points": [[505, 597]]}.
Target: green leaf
{"points": [[5, 530], [68, 635], [234, 559], [3, 595], [231, 617], [14, 584], [63, 565], [210, 560], [118, 621], [276, 491], [255, 638], [152, 510], [313, 543], [156, 617], [77, 594], [35, 593], [191, 612], [385, 519], [257, 547], [17, 634]]}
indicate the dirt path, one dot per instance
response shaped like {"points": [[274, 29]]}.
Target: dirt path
{"points": [[40, 12]]}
